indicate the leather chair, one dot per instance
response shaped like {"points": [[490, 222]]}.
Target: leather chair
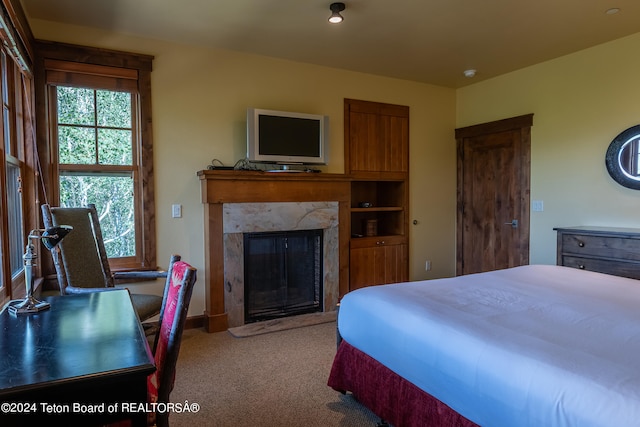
{"points": [[81, 260]]}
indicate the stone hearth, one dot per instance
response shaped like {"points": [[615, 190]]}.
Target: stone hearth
{"points": [[240, 218]]}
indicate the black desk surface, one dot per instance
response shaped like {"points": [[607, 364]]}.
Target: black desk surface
{"points": [[82, 344]]}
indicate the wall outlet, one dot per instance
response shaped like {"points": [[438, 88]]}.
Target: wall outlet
{"points": [[427, 265], [176, 211]]}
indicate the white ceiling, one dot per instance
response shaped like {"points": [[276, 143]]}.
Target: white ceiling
{"points": [[431, 41]]}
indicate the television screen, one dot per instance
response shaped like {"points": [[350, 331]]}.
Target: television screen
{"points": [[286, 137]]}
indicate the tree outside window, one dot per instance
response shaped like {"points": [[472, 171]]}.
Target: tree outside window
{"points": [[96, 158]]}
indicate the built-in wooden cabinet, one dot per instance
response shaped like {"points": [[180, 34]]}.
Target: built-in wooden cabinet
{"points": [[377, 262], [377, 137], [377, 161]]}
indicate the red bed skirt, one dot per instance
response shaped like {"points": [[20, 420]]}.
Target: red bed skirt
{"points": [[389, 396]]}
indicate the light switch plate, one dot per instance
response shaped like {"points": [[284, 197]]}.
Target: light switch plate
{"points": [[537, 205], [176, 211]]}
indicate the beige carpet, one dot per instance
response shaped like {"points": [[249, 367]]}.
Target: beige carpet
{"points": [[270, 380], [282, 324]]}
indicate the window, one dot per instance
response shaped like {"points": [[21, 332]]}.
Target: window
{"points": [[97, 162], [12, 167], [14, 88], [100, 145]]}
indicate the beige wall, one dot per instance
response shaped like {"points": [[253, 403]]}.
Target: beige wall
{"points": [[580, 103], [200, 98]]}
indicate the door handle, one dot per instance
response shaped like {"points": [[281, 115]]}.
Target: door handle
{"points": [[513, 223]]}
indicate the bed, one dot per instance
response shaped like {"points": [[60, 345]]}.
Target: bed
{"points": [[536, 345]]}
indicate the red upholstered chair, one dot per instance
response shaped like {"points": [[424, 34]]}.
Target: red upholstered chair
{"points": [[177, 294], [181, 278]]}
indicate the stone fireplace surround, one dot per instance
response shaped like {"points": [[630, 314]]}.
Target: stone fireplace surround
{"points": [[240, 218], [245, 201]]}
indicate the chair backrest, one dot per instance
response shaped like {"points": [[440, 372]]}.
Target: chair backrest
{"points": [[80, 259], [181, 278]]}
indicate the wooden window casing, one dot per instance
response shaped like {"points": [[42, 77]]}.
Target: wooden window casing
{"points": [[17, 171], [79, 66]]}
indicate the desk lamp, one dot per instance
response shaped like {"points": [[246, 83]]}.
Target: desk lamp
{"points": [[50, 237]]}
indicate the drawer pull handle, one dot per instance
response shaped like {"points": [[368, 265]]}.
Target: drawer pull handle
{"points": [[581, 244], [581, 267]]}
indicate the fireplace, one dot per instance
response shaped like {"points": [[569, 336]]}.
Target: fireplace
{"points": [[280, 218], [282, 274], [318, 201]]}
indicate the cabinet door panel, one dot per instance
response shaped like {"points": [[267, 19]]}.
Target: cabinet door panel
{"points": [[394, 144], [362, 268], [378, 137], [378, 265], [363, 148], [378, 143], [395, 264]]}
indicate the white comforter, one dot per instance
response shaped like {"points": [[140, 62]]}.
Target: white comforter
{"points": [[536, 345]]}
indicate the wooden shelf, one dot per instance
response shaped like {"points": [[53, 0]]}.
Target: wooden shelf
{"points": [[378, 209], [367, 241]]}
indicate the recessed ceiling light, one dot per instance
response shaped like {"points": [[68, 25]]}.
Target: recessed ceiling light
{"points": [[612, 11]]}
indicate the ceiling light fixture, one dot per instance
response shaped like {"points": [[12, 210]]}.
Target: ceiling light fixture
{"points": [[469, 73], [335, 17], [612, 11]]}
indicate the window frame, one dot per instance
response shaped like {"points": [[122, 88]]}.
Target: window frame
{"points": [[16, 100], [89, 169], [101, 69], [17, 43]]}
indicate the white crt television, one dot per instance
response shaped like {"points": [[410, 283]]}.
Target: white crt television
{"points": [[286, 138]]}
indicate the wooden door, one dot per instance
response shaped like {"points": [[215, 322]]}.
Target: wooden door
{"points": [[493, 195]]}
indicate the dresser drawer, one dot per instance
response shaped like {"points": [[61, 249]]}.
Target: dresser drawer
{"points": [[601, 246], [610, 250], [617, 268]]}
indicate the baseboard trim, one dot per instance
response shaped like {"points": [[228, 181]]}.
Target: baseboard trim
{"points": [[194, 322]]}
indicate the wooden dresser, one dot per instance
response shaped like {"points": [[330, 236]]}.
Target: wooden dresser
{"points": [[603, 249]]}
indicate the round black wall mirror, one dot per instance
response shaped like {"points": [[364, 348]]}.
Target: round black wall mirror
{"points": [[623, 158]]}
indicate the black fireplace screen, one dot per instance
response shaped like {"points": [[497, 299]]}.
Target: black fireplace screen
{"points": [[282, 274]]}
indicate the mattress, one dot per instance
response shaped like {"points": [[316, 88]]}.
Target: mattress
{"points": [[532, 346]]}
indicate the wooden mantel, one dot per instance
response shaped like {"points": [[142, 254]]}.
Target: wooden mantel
{"points": [[219, 187]]}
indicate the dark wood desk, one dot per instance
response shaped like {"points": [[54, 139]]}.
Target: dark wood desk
{"points": [[87, 349]]}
